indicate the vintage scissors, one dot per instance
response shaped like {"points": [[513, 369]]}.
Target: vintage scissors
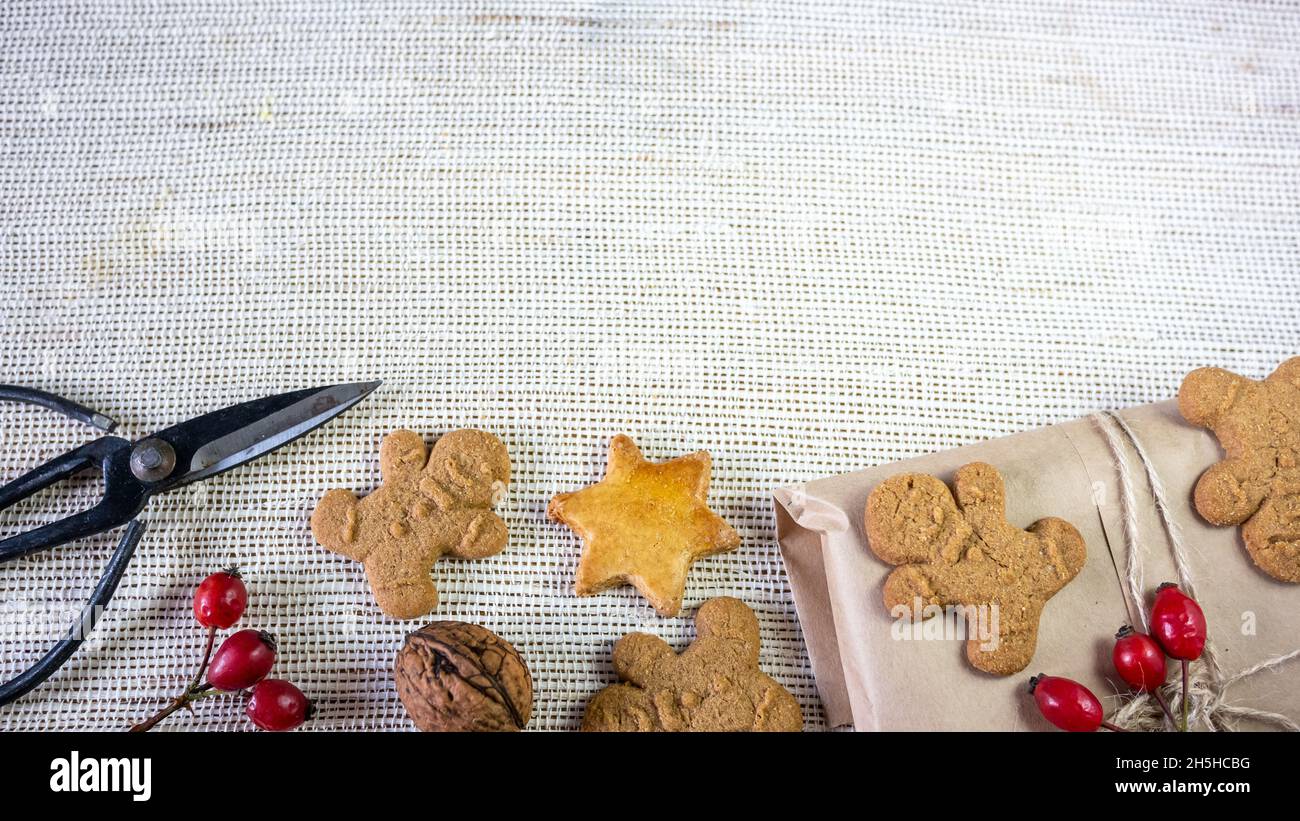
{"points": [[135, 471]]}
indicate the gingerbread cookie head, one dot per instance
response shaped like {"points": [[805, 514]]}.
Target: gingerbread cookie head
{"points": [[712, 686], [1258, 485], [644, 524], [963, 552], [431, 503]]}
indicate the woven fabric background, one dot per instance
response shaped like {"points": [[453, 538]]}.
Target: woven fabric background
{"points": [[806, 237]]}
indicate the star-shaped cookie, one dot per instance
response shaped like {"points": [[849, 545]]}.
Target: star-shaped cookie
{"points": [[644, 524]]}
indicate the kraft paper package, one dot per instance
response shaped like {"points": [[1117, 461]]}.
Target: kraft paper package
{"points": [[875, 674]]}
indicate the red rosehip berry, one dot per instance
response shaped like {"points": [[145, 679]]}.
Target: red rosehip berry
{"points": [[1138, 660], [278, 706], [242, 660], [220, 599], [1178, 623], [1067, 704]]}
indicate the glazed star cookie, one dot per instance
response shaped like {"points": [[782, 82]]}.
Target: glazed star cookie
{"points": [[964, 552], [431, 503], [715, 685], [1258, 485], [644, 524]]}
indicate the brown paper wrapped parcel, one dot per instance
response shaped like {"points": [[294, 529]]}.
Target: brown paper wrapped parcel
{"points": [[878, 673]]}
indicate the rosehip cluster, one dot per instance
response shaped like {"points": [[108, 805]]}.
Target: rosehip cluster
{"points": [[241, 662], [1177, 629]]}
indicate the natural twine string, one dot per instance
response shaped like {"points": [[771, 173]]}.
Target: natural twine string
{"points": [[1207, 688]]}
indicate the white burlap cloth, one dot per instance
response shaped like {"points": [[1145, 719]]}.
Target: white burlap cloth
{"points": [[805, 237]]}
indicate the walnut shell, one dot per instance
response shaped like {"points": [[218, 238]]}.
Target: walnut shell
{"points": [[458, 677]]}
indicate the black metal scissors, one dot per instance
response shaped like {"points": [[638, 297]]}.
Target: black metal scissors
{"points": [[135, 471]]}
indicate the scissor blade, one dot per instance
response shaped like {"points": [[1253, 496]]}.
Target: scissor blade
{"points": [[225, 439]]}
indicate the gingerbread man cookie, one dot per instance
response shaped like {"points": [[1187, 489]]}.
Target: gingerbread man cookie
{"points": [[1258, 485], [964, 552], [713, 686], [644, 524], [431, 503]]}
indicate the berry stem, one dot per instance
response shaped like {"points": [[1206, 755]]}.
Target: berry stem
{"points": [[183, 700], [1164, 705], [203, 666], [1114, 728], [1185, 702], [192, 693]]}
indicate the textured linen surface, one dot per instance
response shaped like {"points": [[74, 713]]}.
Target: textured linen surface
{"points": [[806, 237]]}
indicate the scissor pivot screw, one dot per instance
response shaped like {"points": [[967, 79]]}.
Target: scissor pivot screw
{"points": [[152, 460]]}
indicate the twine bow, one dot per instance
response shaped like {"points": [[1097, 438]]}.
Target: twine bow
{"points": [[1207, 687]]}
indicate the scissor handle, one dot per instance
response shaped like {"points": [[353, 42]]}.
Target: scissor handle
{"points": [[73, 410], [124, 497], [34, 676], [60, 467]]}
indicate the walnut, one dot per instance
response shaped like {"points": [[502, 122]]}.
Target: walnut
{"points": [[458, 677]]}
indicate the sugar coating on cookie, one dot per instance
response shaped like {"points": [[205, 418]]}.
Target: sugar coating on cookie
{"points": [[714, 685], [963, 552], [644, 524], [431, 503], [1258, 485]]}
